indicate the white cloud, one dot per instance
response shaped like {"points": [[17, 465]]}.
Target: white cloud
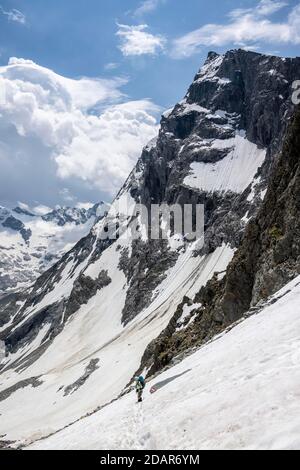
{"points": [[67, 195], [84, 205], [119, 133], [82, 93], [264, 8], [147, 6], [37, 210], [54, 144], [111, 66], [268, 7], [14, 15], [23, 206], [136, 41], [41, 210], [246, 26]]}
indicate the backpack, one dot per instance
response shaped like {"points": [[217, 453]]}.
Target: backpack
{"points": [[142, 381]]}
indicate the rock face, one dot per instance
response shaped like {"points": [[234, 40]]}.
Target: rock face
{"points": [[30, 243], [234, 111], [85, 288], [267, 259], [145, 269], [238, 104], [17, 226], [270, 253], [74, 215], [136, 304]]}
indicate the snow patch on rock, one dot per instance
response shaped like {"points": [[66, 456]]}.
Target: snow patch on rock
{"points": [[233, 173]]}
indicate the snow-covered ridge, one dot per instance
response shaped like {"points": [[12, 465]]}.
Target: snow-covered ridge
{"points": [[187, 108], [209, 71]]}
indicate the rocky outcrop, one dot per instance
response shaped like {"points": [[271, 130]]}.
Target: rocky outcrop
{"points": [[83, 290], [6, 445], [202, 324], [32, 382], [145, 269], [90, 368], [14, 224], [161, 351]]}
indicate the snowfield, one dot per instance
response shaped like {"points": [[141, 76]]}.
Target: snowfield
{"points": [[241, 391], [234, 173], [94, 333]]}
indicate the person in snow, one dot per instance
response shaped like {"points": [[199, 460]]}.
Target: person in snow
{"points": [[139, 387]]}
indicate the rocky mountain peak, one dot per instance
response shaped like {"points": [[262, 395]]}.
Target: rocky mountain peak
{"points": [[21, 211], [211, 56], [4, 213], [251, 85]]}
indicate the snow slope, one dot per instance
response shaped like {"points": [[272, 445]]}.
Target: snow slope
{"points": [[234, 173], [241, 391], [96, 332]]}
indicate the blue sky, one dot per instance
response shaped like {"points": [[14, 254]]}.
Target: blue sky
{"points": [[77, 38], [147, 49]]}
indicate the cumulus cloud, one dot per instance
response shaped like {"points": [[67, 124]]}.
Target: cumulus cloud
{"points": [[53, 142], [120, 133], [245, 27], [14, 15], [137, 41]]}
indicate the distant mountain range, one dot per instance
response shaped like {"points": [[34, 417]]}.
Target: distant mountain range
{"points": [[31, 243]]}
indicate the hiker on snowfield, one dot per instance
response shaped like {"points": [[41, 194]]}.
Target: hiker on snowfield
{"points": [[139, 387]]}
